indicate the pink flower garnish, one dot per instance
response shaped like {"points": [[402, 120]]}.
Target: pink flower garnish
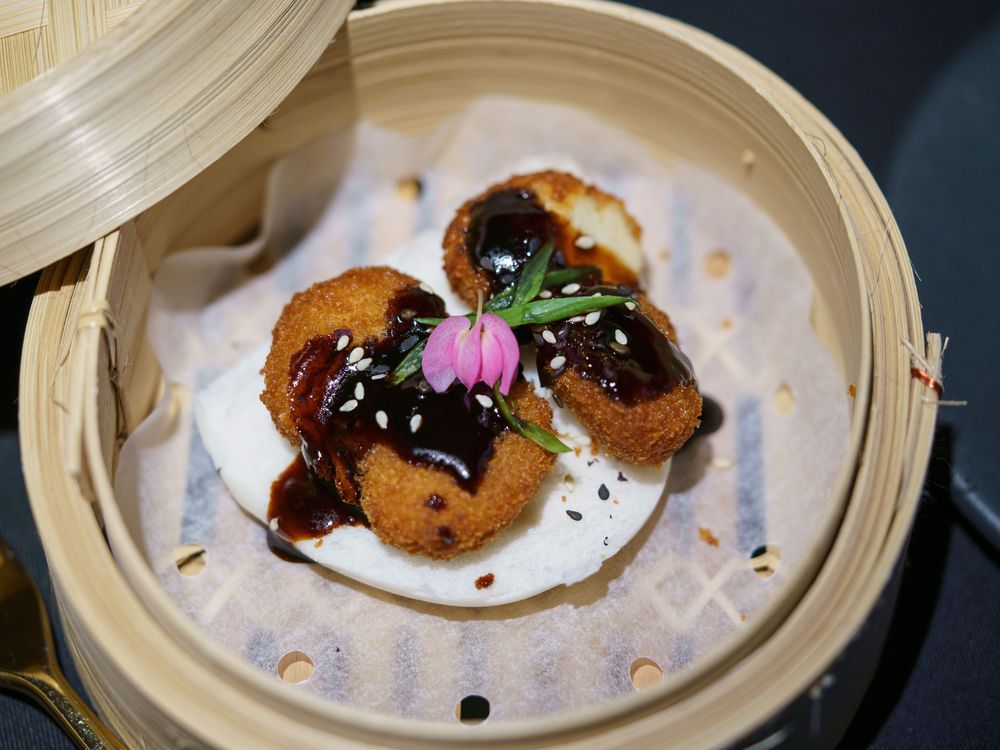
{"points": [[484, 351]]}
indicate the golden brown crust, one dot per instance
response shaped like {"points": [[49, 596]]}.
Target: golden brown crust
{"points": [[551, 187], [656, 429], [394, 492], [356, 299]]}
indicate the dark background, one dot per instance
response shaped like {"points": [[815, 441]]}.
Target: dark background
{"points": [[915, 87]]}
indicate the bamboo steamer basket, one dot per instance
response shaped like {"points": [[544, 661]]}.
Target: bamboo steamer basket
{"points": [[795, 675]]}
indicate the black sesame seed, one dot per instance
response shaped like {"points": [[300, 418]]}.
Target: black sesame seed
{"points": [[603, 492], [591, 462], [622, 477], [605, 541], [446, 534], [575, 515]]}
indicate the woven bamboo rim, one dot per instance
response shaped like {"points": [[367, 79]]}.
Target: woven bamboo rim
{"points": [[88, 377], [144, 108]]}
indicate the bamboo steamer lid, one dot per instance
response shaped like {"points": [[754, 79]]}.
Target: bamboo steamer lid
{"points": [[89, 377], [136, 98]]}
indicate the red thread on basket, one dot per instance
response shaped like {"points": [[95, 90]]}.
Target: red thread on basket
{"points": [[927, 379]]}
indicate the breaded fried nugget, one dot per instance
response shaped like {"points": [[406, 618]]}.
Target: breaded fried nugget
{"points": [[644, 432], [426, 512], [488, 242], [356, 299], [414, 504], [493, 234]]}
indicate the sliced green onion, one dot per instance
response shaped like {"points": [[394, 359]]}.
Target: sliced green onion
{"points": [[546, 310], [563, 276], [409, 364], [528, 430], [529, 283]]}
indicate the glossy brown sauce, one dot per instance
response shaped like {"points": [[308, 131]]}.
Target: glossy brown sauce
{"points": [[306, 507], [508, 226], [645, 367], [454, 432]]}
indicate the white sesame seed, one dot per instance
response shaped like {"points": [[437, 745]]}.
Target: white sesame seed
{"points": [[415, 421], [379, 375], [356, 354], [620, 336], [382, 419], [364, 363], [571, 288], [485, 401], [576, 319], [596, 294], [557, 362], [342, 342], [273, 523], [585, 242], [426, 287], [359, 391], [592, 317], [350, 405], [548, 336], [630, 305], [544, 294]]}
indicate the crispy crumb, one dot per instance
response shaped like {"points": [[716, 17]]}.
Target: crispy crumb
{"points": [[708, 537], [318, 543], [743, 617], [564, 498], [726, 324], [615, 501], [409, 188], [852, 390], [484, 582], [663, 254], [577, 450]]}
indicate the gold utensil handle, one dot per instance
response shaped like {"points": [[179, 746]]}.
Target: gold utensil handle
{"points": [[60, 700]]}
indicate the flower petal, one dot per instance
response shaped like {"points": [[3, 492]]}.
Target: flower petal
{"points": [[468, 355], [437, 361], [500, 352]]}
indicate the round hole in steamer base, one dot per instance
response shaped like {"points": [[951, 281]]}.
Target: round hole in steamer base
{"points": [[472, 710], [765, 560], [645, 673], [190, 559], [295, 667]]}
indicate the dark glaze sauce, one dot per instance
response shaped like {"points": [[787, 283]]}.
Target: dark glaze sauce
{"points": [[455, 432], [507, 228], [306, 507], [647, 366]]}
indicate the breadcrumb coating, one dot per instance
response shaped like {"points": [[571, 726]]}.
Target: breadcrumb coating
{"points": [[417, 508]]}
